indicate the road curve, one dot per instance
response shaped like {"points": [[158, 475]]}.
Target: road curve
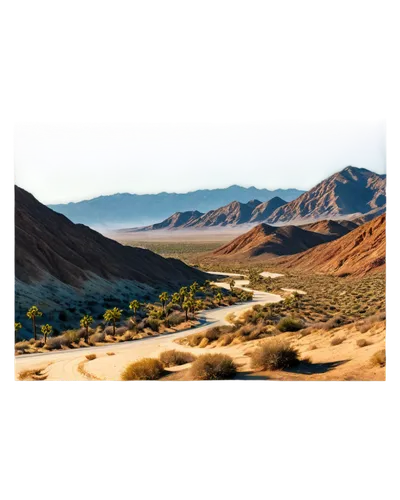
{"points": [[68, 364]]}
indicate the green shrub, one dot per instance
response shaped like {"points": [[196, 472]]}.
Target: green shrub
{"points": [[274, 355], [289, 324], [144, 369], [153, 324], [213, 367], [176, 358]]}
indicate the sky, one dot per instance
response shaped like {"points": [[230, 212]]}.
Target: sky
{"points": [[63, 163]]}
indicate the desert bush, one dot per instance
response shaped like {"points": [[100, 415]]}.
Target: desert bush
{"points": [[213, 367], [98, 336], [363, 343], [379, 358], [110, 353], [73, 336], [194, 339], [225, 339], [337, 340], [274, 355], [204, 342], [39, 343], [175, 318], [212, 333], [90, 357], [120, 331], [289, 324], [144, 369], [55, 342], [176, 358], [22, 346], [153, 324]]}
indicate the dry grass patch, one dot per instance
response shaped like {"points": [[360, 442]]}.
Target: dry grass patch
{"points": [[144, 369], [213, 367], [379, 358], [290, 325], [274, 355], [176, 358]]}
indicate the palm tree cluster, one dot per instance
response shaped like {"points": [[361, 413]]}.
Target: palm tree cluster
{"points": [[186, 298]]}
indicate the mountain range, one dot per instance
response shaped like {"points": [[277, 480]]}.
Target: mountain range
{"points": [[124, 209], [351, 193]]}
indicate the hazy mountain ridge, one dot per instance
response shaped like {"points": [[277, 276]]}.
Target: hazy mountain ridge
{"points": [[134, 210]]}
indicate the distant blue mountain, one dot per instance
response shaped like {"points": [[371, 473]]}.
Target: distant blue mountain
{"points": [[124, 209]]}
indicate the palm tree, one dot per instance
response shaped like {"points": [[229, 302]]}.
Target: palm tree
{"points": [[32, 314], [163, 299], [176, 298], [47, 330], [85, 322], [113, 315], [183, 292], [194, 288], [135, 306], [17, 328], [232, 284], [186, 306]]}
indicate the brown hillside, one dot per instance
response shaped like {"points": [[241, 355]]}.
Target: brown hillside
{"points": [[267, 241], [231, 214], [338, 228], [177, 220], [358, 253], [353, 190], [264, 210], [49, 244]]}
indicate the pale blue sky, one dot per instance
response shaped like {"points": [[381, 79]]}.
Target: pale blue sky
{"points": [[61, 163]]}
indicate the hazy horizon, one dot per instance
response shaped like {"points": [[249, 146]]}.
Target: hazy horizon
{"points": [[71, 163]]}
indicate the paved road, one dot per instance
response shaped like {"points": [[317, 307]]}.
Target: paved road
{"points": [[63, 365]]}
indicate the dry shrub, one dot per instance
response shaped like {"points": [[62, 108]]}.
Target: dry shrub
{"points": [[337, 340], [72, 336], [212, 333], [225, 339], [99, 336], [175, 318], [153, 324], [144, 369], [110, 353], [204, 342], [312, 347], [289, 324], [90, 357], [194, 339], [379, 358], [274, 355], [121, 330], [56, 342], [213, 367], [363, 343], [176, 358], [22, 346]]}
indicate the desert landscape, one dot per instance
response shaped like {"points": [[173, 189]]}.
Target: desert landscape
{"points": [[287, 287]]}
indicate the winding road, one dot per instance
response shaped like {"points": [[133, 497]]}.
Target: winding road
{"points": [[70, 364]]}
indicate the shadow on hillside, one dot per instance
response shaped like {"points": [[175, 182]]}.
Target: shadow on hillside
{"points": [[307, 368]]}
